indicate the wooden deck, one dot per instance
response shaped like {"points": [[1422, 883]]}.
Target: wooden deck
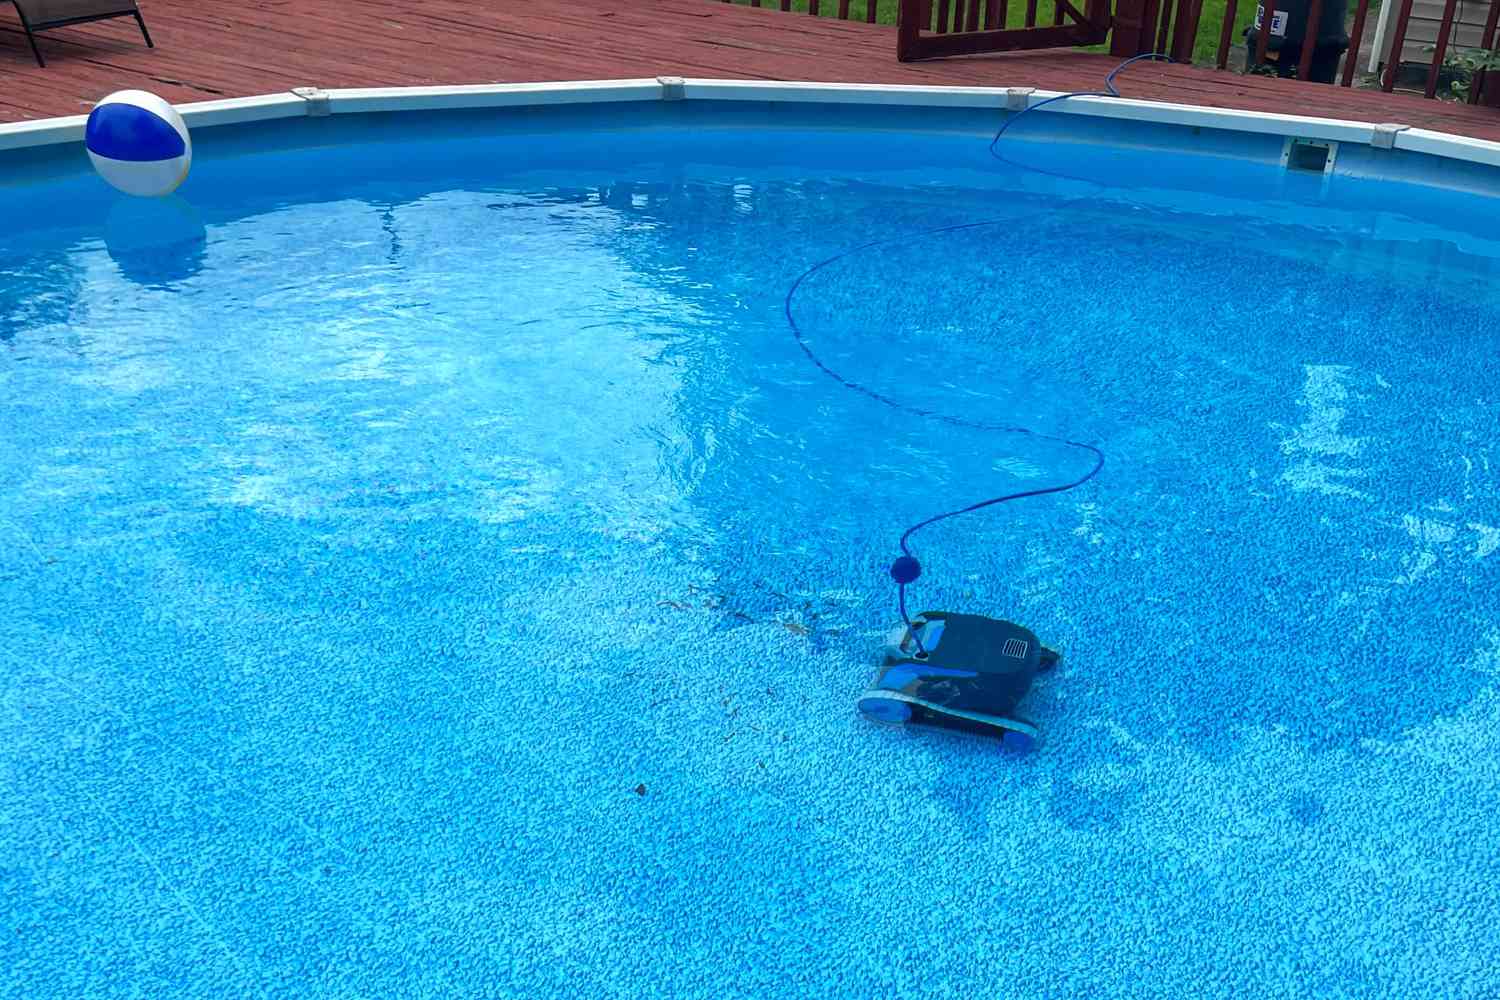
{"points": [[228, 48]]}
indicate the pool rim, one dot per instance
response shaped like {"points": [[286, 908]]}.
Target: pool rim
{"points": [[314, 102]]}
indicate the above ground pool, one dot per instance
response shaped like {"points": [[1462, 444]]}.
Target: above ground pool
{"points": [[431, 567]]}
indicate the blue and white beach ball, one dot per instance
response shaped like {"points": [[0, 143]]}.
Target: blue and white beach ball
{"points": [[139, 143]]}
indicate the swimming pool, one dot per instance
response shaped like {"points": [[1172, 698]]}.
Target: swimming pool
{"points": [[432, 569]]}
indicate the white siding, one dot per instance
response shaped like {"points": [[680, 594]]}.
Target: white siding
{"points": [[1427, 17]]}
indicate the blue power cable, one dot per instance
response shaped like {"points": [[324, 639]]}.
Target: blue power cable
{"points": [[1110, 90], [906, 569]]}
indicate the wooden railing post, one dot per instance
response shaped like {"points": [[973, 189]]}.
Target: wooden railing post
{"points": [[1488, 44], [1267, 19], [909, 28], [1163, 23], [1403, 19], [1128, 25], [1356, 35], [1226, 32], [1185, 30], [1097, 13], [1151, 22], [1441, 49], [1310, 38]]}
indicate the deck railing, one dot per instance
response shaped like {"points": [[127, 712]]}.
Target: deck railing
{"points": [[1266, 15], [936, 28], [933, 28], [844, 10], [1448, 26]]}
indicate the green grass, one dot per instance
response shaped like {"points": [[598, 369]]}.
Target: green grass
{"points": [[1211, 22], [1205, 50]]}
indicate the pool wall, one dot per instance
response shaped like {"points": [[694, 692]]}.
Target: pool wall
{"points": [[1411, 186], [311, 102], [420, 594]]}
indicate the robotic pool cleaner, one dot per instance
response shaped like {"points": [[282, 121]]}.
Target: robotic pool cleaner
{"points": [[962, 672], [941, 669], [954, 671]]}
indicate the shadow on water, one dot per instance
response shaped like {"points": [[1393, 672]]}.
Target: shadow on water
{"points": [[1281, 565], [156, 242]]}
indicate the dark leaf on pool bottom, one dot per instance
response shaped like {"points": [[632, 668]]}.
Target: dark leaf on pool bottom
{"points": [[640, 789]]}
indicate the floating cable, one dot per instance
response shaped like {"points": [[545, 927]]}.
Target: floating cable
{"points": [[906, 569]]}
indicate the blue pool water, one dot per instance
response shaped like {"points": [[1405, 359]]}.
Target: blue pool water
{"points": [[431, 568]]}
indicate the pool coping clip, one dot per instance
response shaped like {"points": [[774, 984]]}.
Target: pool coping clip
{"points": [[318, 103], [1383, 136], [1018, 98]]}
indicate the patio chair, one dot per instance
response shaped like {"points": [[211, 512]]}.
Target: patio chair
{"points": [[41, 15]]}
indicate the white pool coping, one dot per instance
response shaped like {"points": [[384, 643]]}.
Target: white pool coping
{"points": [[314, 102]]}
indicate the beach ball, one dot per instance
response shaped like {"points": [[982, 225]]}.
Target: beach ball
{"points": [[139, 143]]}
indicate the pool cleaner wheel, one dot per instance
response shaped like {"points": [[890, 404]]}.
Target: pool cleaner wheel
{"points": [[960, 672]]}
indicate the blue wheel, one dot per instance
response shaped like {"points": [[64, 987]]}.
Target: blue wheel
{"points": [[890, 711], [1018, 741], [1019, 736]]}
